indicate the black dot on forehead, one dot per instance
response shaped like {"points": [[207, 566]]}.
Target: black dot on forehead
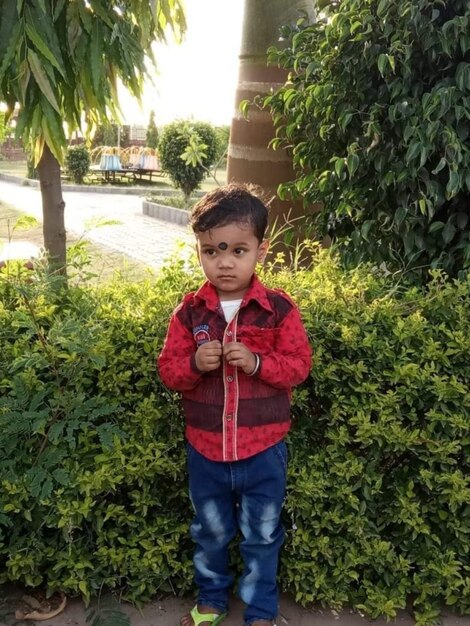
{"points": [[222, 245]]}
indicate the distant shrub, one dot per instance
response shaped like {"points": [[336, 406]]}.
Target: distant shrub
{"points": [[178, 202], [31, 171], [177, 139], [77, 162]]}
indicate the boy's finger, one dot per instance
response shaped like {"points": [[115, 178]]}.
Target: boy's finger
{"points": [[214, 352], [230, 347], [213, 343], [212, 348]]}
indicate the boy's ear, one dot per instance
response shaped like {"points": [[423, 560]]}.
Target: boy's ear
{"points": [[263, 250]]}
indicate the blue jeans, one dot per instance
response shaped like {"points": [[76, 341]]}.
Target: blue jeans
{"points": [[242, 495]]}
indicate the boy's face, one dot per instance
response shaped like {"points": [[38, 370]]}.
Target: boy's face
{"points": [[228, 256]]}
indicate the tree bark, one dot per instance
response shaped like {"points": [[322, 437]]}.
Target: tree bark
{"points": [[249, 158], [53, 210]]}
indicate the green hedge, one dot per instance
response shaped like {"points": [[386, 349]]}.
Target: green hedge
{"points": [[92, 458]]}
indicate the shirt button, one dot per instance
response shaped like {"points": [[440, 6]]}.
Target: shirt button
{"points": [[229, 333], [228, 418], [229, 378]]}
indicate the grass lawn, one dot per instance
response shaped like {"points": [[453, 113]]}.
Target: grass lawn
{"points": [[104, 262], [19, 168]]}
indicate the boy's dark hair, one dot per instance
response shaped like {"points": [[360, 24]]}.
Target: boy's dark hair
{"points": [[233, 203]]}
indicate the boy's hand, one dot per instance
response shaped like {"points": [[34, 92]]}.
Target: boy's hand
{"points": [[238, 355], [209, 356]]}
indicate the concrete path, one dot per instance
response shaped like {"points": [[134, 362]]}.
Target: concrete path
{"points": [[151, 241], [138, 236]]}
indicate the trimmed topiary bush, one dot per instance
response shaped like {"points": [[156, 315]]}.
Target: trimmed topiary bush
{"points": [[184, 137], [92, 457], [77, 162]]}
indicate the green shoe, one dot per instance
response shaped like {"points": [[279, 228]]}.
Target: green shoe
{"points": [[212, 618]]}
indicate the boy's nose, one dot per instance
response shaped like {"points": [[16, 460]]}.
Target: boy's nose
{"points": [[225, 260]]}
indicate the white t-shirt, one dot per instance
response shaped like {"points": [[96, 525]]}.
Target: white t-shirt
{"points": [[230, 308]]}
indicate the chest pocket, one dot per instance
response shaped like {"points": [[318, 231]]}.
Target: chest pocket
{"points": [[262, 340]]}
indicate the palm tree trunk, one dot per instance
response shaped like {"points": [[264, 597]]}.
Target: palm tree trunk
{"points": [[249, 158], [53, 210]]}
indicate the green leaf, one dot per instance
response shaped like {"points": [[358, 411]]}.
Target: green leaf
{"points": [[25, 222], [365, 228], [382, 62], [382, 6], [449, 232], [9, 19], [339, 166], [462, 76], [11, 50], [96, 54], [454, 183], [344, 119], [352, 164], [43, 48], [400, 215], [58, 9], [51, 139], [102, 11], [442, 163], [24, 75], [41, 79], [413, 150]]}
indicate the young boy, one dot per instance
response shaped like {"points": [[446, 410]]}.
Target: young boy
{"points": [[234, 349]]}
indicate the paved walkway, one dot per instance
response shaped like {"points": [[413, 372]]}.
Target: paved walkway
{"points": [[151, 241], [140, 237]]}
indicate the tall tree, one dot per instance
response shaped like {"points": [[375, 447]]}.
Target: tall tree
{"points": [[250, 159], [151, 138], [60, 63]]}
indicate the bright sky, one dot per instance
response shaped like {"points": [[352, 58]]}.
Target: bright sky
{"points": [[196, 79]]}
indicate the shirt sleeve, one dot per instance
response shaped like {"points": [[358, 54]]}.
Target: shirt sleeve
{"points": [[176, 363], [290, 361]]}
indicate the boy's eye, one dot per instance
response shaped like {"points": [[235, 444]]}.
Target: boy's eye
{"points": [[240, 251], [210, 252]]}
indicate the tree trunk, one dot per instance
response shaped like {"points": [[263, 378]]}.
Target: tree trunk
{"points": [[249, 158], [53, 210]]}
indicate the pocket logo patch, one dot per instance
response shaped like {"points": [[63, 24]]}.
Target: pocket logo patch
{"points": [[201, 334]]}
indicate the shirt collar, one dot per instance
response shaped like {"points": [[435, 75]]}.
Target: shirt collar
{"points": [[256, 291]]}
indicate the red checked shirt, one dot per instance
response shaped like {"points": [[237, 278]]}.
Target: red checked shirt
{"points": [[230, 415]]}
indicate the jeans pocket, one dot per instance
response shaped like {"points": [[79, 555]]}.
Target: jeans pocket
{"points": [[279, 451]]}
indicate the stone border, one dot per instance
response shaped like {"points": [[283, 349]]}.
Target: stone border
{"points": [[166, 213], [24, 182], [30, 182]]}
